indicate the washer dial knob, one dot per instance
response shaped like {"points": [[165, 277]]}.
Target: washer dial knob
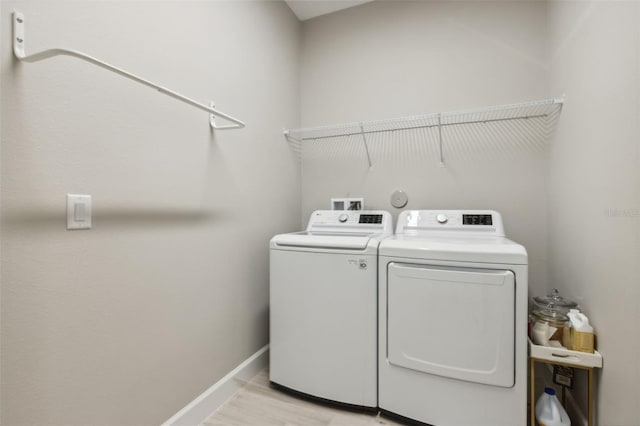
{"points": [[442, 218], [343, 218]]}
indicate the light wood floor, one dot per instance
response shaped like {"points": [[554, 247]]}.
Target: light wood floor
{"points": [[257, 404]]}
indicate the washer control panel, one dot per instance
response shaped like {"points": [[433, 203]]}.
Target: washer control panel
{"points": [[468, 221], [350, 221], [370, 218]]}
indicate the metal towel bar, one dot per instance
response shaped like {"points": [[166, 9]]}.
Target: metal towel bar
{"points": [[19, 51]]}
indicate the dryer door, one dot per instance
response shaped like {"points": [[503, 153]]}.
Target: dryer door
{"points": [[452, 322]]}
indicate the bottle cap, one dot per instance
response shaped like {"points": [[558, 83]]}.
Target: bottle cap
{"points": [[550, 391]]}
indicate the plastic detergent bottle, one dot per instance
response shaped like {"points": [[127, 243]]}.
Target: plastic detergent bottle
{"points": [[581, 332], [549, 411]]}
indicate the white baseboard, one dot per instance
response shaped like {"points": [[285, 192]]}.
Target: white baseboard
{"points": [[204, 405]]}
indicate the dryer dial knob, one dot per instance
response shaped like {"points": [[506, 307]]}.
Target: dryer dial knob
{"points": [[343, 217], [442, 218]]}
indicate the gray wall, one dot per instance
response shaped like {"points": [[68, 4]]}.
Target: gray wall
{"points": [[575, 204], [393, 59], [594, 186], [128, 322]]}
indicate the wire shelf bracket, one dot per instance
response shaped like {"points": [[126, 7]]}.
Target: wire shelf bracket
{"points": [[19, 52], [366, 147], [546, 110]]}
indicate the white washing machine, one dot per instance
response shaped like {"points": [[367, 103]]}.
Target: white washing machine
{"points": [[323, 306], [453, 320]]}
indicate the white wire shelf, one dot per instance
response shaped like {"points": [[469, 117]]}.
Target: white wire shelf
{"points": [[532, 122]]}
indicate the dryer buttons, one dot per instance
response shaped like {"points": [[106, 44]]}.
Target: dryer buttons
{"points": [[442, 218]]}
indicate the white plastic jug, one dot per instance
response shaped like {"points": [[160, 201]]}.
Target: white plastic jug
{"points": [[579, 321], [581, 332], [549, 411]]}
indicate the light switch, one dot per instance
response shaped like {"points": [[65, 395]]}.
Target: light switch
{"points": [[78, 211]]}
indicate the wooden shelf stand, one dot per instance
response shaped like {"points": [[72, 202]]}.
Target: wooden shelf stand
{"points": [[567, 358]]}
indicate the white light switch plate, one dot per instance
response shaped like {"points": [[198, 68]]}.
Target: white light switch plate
{"points": [[78, 211]]}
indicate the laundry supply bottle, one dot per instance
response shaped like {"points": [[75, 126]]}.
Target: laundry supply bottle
{"points": [[581, 332], [549, 411]]}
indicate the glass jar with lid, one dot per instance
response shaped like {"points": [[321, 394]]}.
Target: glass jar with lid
{"points": [[549, 322], [554, 302], [550, 327]]}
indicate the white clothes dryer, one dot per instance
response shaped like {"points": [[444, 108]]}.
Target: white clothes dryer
{"points": [[453, 320], [323, 307]]}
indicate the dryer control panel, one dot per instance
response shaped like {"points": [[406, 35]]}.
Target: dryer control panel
{"points": [[477, 219], [484, 222]]}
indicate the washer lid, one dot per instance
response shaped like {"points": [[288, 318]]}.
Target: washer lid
{"points": [[455, 248], [323, 240]]}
